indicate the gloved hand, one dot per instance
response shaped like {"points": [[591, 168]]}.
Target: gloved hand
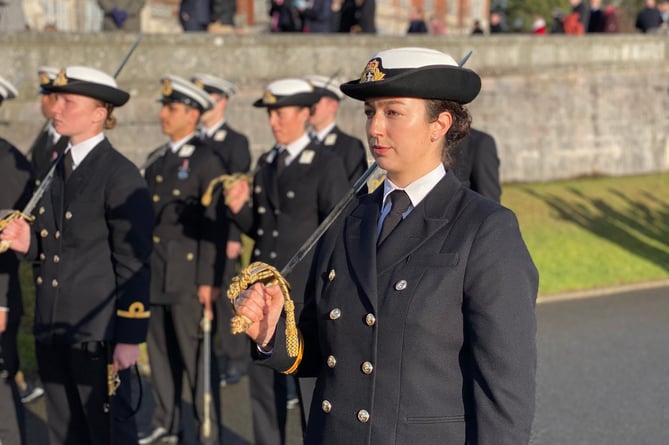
{"points": [[119, 16]]}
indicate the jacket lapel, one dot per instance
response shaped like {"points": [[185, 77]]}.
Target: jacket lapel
{"points": [[430, 216], [360, 239], [77, 181]]}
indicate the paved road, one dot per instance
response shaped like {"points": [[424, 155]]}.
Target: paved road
{"points": [[603, 376]]}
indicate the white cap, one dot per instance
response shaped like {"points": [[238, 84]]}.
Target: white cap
{"points": [[177, 89], [288, 92], [212, 84], [328, 86], [7, 90]]}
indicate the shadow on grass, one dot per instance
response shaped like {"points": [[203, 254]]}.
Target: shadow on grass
{"points": [[630, 229]]}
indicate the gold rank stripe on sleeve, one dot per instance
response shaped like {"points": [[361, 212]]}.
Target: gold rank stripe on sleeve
{"points": [[300, 353], [135, 310]]}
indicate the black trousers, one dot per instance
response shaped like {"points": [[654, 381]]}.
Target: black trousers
{"points": [[268, 405], [175, 346], [12, 428], [79, 410]]}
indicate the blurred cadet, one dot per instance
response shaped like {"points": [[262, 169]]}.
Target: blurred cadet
{"points": [[195, 15], [16, 183], [49, 144], [295, 187], [122, 15], [233, 149], [186, 267], [92, 236], [476, 164], [649, 18], [419, 317], [325, 131]]}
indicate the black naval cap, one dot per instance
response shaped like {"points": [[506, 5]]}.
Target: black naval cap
{"points": [[288, 92], [7, 90], [177, 89], [89, 82], [414, 72], [213, 85], [325, 86], [46, 75]]}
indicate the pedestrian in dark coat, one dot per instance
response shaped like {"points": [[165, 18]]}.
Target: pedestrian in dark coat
{"points": [[16, 183], [122, 15], [476, 164], [296, 186], [49, 144], [419, 315], [92, 237], [186, 263], [317, 16], [233, 149], [195, 15], [324, 129]]}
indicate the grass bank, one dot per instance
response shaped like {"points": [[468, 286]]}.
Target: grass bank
{"points": [[582, 234]]}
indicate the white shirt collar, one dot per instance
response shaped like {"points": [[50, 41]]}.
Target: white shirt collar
{"points": [[209, 131], [296, 147], [176, 145], [53, 134], [324, 132], [418, 189], [82, 149]]}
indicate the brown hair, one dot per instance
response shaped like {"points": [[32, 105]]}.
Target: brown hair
{"points": [[110, 121], [459, 128]]}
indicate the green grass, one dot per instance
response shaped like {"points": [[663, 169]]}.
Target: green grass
{"points": [[582, 234]]}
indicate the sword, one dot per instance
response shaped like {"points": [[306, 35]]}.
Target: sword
{"points": [[206, 351]]}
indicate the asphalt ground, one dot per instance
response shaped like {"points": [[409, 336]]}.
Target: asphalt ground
{"points": [[609, 387]]}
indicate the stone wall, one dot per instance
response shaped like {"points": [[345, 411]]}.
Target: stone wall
{"points": [[559, 107]]}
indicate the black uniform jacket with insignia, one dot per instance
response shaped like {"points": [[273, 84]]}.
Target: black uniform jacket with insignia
{"points": [[233, 149], [187, 241], [429, 341], [287, 211], [476, 164], [92, 237], [351, 151], [16, 185], [44, 153]]}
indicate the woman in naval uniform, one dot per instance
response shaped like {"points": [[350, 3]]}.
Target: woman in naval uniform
{"points": [[425, 335], [92, 238]]}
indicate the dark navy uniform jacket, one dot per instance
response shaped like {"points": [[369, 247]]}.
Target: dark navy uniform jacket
{"points": [[92, 237], [430, 339], [286, 211], [44, 153], [187, 241]]}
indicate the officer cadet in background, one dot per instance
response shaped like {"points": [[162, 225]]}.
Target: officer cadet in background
{"points": [[233, 149], [476, 164], [16, 183], [92, 236], [295, 187], [327, 133], [49, 143], [186, 264]]}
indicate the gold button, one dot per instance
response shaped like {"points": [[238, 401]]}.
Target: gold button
{"points": [[156, 198], [159, 179], [261, 232], [156, 239], [256, 252], [176, 192], [56, 259], [261, 210], [57, 234], [275, 233], [190, 256], [367, 368], [331, 275], [332, 361], [370, 319], [326, 406], [42, 256], [272, 255], [290, 194], [363, 416], [54, 283], [41, 210], [44, 233], [68, 215], [257, 190], [39, 280], [401, 285], [335, 313]]}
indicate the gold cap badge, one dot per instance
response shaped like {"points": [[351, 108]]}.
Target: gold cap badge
{"points": [[372, 73], [166, 87], [61, 79], [268, 97]]}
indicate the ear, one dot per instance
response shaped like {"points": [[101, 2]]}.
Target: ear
{"points": [[99, 114], [440, 126]]}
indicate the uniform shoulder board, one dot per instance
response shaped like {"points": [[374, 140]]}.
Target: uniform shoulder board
{"points": [[220, 135], [307, 157], [330, 139], [186, 151]]}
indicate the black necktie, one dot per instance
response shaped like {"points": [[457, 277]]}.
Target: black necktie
{"points": [[400, 203], [68, 164], [280, 160]]}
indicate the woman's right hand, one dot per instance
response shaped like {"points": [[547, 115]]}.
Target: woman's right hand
{"points": [[17, 233], [262, 305]]}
